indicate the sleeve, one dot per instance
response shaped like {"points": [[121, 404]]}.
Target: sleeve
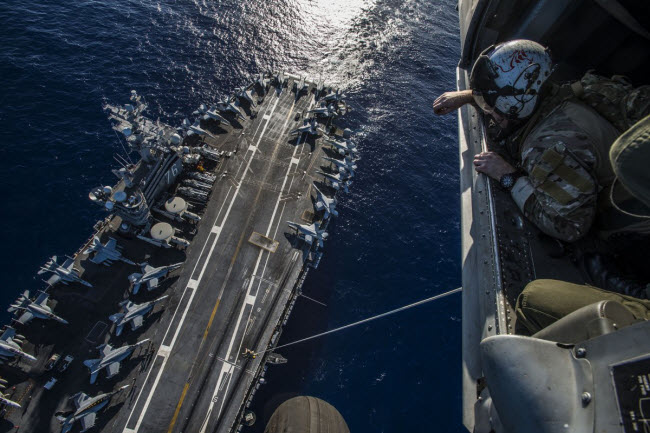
{"points": [[558, 195]]}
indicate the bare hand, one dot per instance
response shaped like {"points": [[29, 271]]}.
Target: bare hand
{"points": [[450, 101], [492, 164]]}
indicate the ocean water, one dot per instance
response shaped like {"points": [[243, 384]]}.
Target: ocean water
{"points": [[397, 238]]}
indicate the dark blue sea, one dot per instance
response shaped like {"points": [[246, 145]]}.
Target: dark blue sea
{"points": [[397, 239]]}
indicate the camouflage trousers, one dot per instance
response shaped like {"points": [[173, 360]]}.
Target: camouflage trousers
{"points": [[545, 301]]}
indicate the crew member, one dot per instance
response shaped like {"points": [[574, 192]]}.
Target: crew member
{"points": [[558, 142]]}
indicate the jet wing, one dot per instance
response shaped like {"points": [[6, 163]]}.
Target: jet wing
{"points": [[106, 349], [8, 334], [68, 264], [111, 244], [99, 257], [53, 279], [152, 283], [137, 322], [113, 369], [25, 317], [147, 268], [88, 421], [42, 298], [79, 399]]}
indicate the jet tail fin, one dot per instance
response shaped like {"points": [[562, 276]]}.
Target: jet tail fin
{"points": [[115, 317], [90, 363]]}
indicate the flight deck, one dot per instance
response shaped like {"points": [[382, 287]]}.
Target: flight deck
{"points": [[243, 266]]}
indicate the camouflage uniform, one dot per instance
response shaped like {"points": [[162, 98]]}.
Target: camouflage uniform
{"points": [[564, 149], [561, 155]]}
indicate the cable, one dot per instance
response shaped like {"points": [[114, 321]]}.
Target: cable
{"points": [[397, 310]]}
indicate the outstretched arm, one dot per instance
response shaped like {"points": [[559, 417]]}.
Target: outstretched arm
{"points": [[450, 101]]}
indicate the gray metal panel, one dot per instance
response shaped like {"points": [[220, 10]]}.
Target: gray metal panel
{"points": [[483, 304]]}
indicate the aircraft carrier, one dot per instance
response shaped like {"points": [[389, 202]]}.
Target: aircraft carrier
{"points": [[240, 197]]}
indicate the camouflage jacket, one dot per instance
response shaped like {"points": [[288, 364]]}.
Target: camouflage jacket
{"points": [[566, 158], [565, 151]]}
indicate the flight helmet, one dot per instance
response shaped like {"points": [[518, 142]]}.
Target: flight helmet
{"points": [[507, 78]]}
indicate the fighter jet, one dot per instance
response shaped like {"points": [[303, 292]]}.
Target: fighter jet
{"points": [[344, 147], [325, 203], [213, 114], [106, 254], [334, 96], [195, 128], [308, 127], [38, 309], [319, 88], [10, 345], [87, 408], [309, 233], [345, 165], [324, 111], [65, 273], [338, 180], [262, 81], [134, 313], [110, 359], [5, 401], [280, 81], [3, 398], [150, 276], [300, 86], [226, 105], [243, 93]]}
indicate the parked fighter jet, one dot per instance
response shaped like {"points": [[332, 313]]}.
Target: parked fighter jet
{"points": [[337, 180], [334, 96], [324, 111], [300, 86], [106, 254], [280, 81], [325, 203], [87, 408], [213, 114], [345, 165], [134, 313], [309, 233], [243, 93], [38, 309], [10, 345], [195, 128], [150, 276], [262, 81], [5, 401], [3, 398], [65, 273], [344, 147], [226, 105], [319, 88], [110, 359], [308, 127]]}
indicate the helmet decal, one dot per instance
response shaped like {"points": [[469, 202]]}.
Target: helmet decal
{"points": [[516, 58]]}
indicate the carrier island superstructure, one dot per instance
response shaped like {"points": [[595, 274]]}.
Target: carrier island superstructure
{"points": [[175, 302]]}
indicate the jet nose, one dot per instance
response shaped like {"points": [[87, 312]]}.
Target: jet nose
{"points": [[30, 357]]}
